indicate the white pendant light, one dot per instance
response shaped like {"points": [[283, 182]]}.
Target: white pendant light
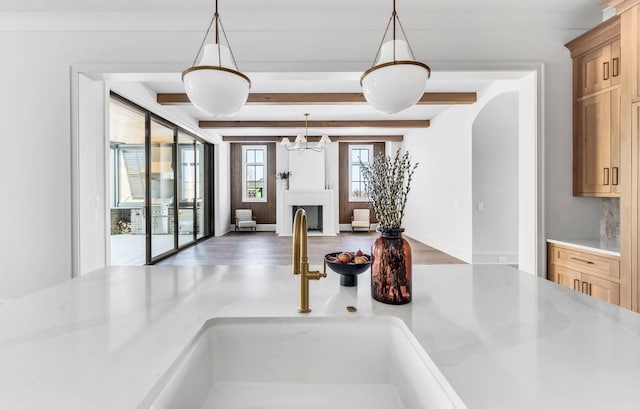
{"points": [[396, 81], [213, 84]]}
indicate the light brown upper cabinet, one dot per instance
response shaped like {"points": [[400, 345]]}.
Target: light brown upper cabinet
{"points": [[597, 145], [599, 69], [596, 110]]}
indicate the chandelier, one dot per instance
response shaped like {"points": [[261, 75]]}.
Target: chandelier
{"points": [[301, 144], [213, 84], [396, 80]]}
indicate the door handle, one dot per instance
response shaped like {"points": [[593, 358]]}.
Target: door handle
{"points": [[589, 288], [616, 66], [605, 70], [576, 284], [605, 176], [614, 175], [585, 287]]}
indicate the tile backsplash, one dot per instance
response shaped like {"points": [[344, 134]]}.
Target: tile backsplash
{"points": [[610, 219]]}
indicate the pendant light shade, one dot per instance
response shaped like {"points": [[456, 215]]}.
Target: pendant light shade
{"points": [[394, 85], [213, 84], [396, 81]]}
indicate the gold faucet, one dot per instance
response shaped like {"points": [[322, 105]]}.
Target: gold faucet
{"points": [[300, 260]]}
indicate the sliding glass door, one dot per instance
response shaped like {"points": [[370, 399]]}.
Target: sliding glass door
{"points": [[187, 185], [158, 186], [127, 154], [200, 191], [161, 178]]}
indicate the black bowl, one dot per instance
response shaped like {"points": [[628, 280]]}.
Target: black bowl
{"points": [[348, 271]]}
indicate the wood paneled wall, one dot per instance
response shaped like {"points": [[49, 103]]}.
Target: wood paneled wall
{"points": [[346, 207], [264, 212]]}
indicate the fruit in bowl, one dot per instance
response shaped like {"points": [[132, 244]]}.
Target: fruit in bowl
{"points": [[348, 265], [345, 257]]}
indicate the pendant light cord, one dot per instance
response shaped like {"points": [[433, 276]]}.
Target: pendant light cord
{"points": [[394, 16], [386, 30], [218, 27], [406, 38], [203, 40], [226, 40]]}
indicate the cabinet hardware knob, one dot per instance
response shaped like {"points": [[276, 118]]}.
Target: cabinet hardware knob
{"points": [[605, 70], [614, 175], [605, 176], [585, 287], [616, 66], [589, 288]]}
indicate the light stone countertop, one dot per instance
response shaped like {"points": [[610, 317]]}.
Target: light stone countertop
{"points": [[609, 247], [502, 338]]}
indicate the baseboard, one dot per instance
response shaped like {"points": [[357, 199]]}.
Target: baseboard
{"points": [[259, 227], [495, 257], [347, 227], [452, 250]]}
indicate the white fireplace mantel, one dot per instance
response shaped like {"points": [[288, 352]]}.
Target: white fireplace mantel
{"points": [[306, 197]]}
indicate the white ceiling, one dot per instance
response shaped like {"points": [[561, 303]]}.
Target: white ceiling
{"points": [[575, 6], [327, 82], [315, 21], [324, 82]]}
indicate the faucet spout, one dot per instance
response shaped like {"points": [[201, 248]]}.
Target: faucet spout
{"points": [[300, 260]]}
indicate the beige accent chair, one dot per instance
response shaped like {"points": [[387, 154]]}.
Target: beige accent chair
{"points": [[245, 219], [361, 218]]}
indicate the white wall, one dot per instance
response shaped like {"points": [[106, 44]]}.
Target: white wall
{"points": [[438, 210], [35, 240], [495, 181], [332, 179], [531, 228], [222, 205], [307, 170], [91, 179]]}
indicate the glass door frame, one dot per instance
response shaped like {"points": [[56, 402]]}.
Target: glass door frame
{"points": [[207, 180]]}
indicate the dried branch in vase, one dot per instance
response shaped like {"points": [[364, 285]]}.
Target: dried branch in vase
{"points": [[388, 182]]}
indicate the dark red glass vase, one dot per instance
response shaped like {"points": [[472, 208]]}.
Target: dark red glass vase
{"points": [[391, 268]]}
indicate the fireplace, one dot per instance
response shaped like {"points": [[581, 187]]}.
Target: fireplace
{"points": [[319, 205], [314, 217]]}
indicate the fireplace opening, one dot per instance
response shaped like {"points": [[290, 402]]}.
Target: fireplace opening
{"points": [[314, 217]]}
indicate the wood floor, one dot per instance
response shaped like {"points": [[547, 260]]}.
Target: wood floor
{"points": [[267, 248]]}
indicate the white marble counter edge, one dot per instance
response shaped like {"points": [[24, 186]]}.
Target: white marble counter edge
{"points": [[584, 247]]}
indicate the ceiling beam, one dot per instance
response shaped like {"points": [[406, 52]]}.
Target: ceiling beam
{"points": [[394, 123], [334, 138], [428, 98]]}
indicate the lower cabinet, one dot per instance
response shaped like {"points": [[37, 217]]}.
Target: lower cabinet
{"points": [[604, 290], [588, 273]]}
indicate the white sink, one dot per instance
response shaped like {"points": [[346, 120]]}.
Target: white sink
{"points": [[287, 363]]}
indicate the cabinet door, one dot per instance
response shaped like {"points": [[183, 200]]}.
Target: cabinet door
{"points": [[567, 278], [604, 290], [594, 70], [593, 145]]}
